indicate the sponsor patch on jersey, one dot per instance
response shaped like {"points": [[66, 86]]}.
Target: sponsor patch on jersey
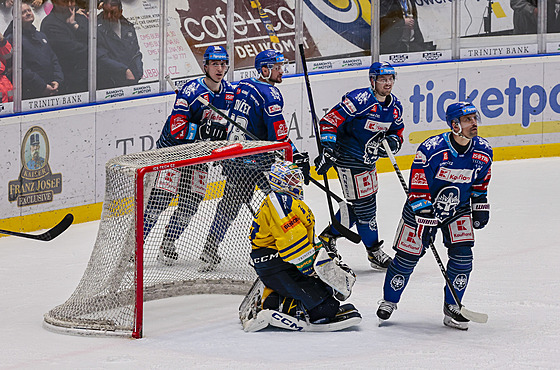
{"points": [[229, 97], [183, 103], [274, 108], [334, 118], [366, 183], [445, 156], [376, 126], [395, 113], [237, 91], [455, 175], [290, 224], [420, 157], [418, 179], [177, 124], [374, 108], [348, 104], [281, 129], [480, 157], [199, 179], [408, 242], [168, 180], [461, 230]]}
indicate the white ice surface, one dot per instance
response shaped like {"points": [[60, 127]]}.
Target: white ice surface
{"points": [[515, 281]]}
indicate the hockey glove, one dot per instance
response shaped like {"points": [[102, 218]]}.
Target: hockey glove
{"points": [[325, 161], [394, 143], [480, 211], [302, 161], [426, 222]]}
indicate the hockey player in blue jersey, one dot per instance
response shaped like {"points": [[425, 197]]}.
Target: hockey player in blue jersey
{"points": [[257, 106], [190, 121], [351, 135], [298, 277], [448, 191]]}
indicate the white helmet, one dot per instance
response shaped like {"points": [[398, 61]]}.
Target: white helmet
{"points": [[286, 177]]}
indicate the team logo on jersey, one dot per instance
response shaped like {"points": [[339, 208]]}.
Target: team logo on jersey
{"points": [[480, 157], [420, 157], [460, 282], [363, 97], [275, 93], [281, 129], [274, 108], [349, 105], [432, 142], [237, 91], [397, 282], [334, 118], [36, 183], [177, 124], [455, 175], [190, 89], [180, 102], [418, 180], [374, 108], [446, 202]]}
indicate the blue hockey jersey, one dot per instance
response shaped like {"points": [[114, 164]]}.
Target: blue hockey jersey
{"points": [[357, 125], [258, 106], [183, 125], [441, 176]]}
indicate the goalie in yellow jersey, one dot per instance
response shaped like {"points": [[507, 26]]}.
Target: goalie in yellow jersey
{"points": [[299, 286]]}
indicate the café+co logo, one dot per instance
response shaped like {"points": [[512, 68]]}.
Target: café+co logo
{"points": [[36, 183]]}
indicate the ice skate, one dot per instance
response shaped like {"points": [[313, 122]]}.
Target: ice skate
{"points": [[329, 241], [167, 253], [378, 259], [385, 310], [453, 318], [210, 259]]}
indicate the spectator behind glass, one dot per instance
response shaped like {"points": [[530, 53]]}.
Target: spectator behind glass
{"points": [[119, 60], [524, 16], [6, 88], [553, 14], [41, 72], [67, 32], [399, 27]]}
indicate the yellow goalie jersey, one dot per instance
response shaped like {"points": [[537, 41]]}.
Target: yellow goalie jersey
{"points": [[283, 230]]}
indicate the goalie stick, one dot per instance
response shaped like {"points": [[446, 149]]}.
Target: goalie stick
{"points": [[346, 232], [48, 235], [471, 315]]}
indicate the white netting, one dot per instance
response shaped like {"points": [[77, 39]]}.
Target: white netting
{"points": [[196, 225]]}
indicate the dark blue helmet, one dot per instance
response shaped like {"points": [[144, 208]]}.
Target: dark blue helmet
{"points": [[215, 53], [268, 58], [456, 110], [380, 69]]}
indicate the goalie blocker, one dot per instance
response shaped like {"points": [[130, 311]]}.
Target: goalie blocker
{"points": [[304, 285]]}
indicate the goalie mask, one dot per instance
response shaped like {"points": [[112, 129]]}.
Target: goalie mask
{"points": [[286, 177]]}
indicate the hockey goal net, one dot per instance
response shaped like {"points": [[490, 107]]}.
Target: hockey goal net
{"points": [[175, 221]]}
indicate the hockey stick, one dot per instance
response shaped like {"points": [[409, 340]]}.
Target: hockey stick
{"points": [[170, 82], [471, 315], [254, 137], [256, 4], [48, 235], [346, 232]]}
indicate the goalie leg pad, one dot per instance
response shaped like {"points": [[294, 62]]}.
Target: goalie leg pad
{"points": [[328, 271]]}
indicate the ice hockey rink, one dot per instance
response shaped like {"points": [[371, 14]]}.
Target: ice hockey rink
{"points": [[515, 281]]}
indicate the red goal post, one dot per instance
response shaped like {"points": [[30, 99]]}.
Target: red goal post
{"points": [[125, 268]]}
